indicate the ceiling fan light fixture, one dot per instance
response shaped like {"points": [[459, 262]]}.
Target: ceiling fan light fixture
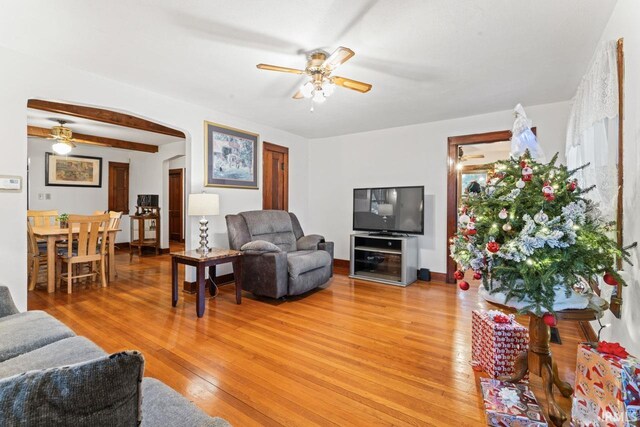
{"points": [[328, 87], [307, 90], [62, 147], [318, 96]]}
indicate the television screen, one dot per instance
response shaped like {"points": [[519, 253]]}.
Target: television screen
{"points": [[390, 209]]}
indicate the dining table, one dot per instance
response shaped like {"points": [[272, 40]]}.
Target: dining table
{"points": [[53, 234]]}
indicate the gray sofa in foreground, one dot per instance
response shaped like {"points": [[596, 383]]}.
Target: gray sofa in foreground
{"points": [[49, 376], [279, 260]]}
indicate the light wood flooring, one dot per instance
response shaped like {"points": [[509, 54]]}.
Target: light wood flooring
{"points": [[354, 353]]}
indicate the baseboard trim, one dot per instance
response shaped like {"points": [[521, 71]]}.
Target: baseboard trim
{"points": [[124, 246], [438, 277], [587, 330], [341, 263]]}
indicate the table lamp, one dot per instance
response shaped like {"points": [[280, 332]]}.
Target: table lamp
{"points": [[203, 205]]}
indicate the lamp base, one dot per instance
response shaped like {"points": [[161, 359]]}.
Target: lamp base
{"points": [[204, 237]]}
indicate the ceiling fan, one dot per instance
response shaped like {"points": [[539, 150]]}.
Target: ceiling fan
{"points": [[320, 82], [63, 137], [464, 157]]}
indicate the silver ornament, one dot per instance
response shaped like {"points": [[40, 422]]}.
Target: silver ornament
{"points": [[520, 184], [506, 227]]}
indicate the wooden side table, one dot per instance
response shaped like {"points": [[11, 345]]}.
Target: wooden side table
{"points": [[142, 215], [538, 360], [202, 262]]}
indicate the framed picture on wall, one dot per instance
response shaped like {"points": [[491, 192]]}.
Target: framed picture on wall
{"points": [[72, 171], [230, 157]]}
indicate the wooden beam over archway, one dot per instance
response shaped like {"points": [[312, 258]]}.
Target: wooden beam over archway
{"points": [[104, 116]]}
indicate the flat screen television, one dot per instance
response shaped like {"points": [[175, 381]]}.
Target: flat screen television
{"points": [[389, 209]]}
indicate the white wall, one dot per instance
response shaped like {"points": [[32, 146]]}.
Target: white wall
{"points": [[28, 77], [409, 155], [624, 23], [80, 200]]}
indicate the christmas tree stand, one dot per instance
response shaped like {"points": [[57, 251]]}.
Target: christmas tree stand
{"points": [[538, 360]]}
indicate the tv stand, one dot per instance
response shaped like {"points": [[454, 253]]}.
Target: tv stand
{"points": [[384, 258]]}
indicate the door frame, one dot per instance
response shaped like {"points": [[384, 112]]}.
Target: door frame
{"points": [[453, 143], [267, 146], [179, 171]]}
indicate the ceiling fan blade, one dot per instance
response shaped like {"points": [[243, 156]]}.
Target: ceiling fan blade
{"points": [[281, 69], [352, 84], [337, 58], [298, 95]]}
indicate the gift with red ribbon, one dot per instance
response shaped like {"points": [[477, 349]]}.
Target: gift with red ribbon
{"points": [[607, 387], [496, 341]]}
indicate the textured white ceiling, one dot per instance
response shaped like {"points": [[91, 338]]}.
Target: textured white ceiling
{"points": [[427, 60], [45, 119]]}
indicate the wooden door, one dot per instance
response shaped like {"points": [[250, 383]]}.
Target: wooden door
{"points": [[275, 177], [119, 187], [176, 199]]}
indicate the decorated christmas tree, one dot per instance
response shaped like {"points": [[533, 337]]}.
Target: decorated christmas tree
{"points": [[532, 236]]}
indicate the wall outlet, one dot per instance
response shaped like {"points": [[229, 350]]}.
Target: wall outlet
{"points": [[40, 196]]}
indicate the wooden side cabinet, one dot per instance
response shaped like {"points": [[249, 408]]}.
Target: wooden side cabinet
{"points": [[147, 232]]}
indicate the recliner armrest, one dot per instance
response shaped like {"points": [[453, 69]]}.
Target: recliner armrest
{"points": [[310, 242], [259, 247], [327, 246], [265, 274]]}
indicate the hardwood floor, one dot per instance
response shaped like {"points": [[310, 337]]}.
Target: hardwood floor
{"points": [[354, 353]]}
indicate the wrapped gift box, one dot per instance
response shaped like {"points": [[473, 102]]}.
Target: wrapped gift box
{"points": [[512, 405], [607, 390], [496, 341]]}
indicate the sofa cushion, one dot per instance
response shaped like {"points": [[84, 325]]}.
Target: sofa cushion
{"points": [[99, 392], [310, 242], [64, 352], [163, 406], [258, 247], [272, 226], [300, 262], [7, 307], [24, 332]]}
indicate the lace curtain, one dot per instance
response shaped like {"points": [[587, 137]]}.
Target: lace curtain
{"points": [[592, 133]]}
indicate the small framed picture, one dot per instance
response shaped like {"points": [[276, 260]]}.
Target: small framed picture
{"points": [[231, 157], [73, 171]]}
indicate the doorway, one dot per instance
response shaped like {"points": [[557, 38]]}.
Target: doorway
{"points": [[176, 205], [469, 160], [275, 177]]}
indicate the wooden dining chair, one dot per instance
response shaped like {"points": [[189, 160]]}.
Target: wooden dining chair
{"points": [[37, 257], [42, 218], [114, 224], [88, 248]]}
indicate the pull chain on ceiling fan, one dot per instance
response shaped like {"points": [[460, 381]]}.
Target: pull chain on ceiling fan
{"points": [[321, 83]]}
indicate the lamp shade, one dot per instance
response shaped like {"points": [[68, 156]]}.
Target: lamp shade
{"points": [[204, 204]]}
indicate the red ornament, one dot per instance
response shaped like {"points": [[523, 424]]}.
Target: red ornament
{"points": [[571, 187], [472, 232], [609, 279], [493, 247], [527, 173], [464, 285], [550, 197], [458, 275], [477, 275], [523, 164], [549, 319]]}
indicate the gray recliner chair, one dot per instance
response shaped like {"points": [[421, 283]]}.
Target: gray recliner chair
{"points": [[279, 260]]}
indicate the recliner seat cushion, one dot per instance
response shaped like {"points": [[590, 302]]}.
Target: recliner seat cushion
{"points": [[271, 226], [300, 262], [60, 353], [24, 332]]}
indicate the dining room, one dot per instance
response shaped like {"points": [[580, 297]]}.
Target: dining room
{"points": [[96, 187]]}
